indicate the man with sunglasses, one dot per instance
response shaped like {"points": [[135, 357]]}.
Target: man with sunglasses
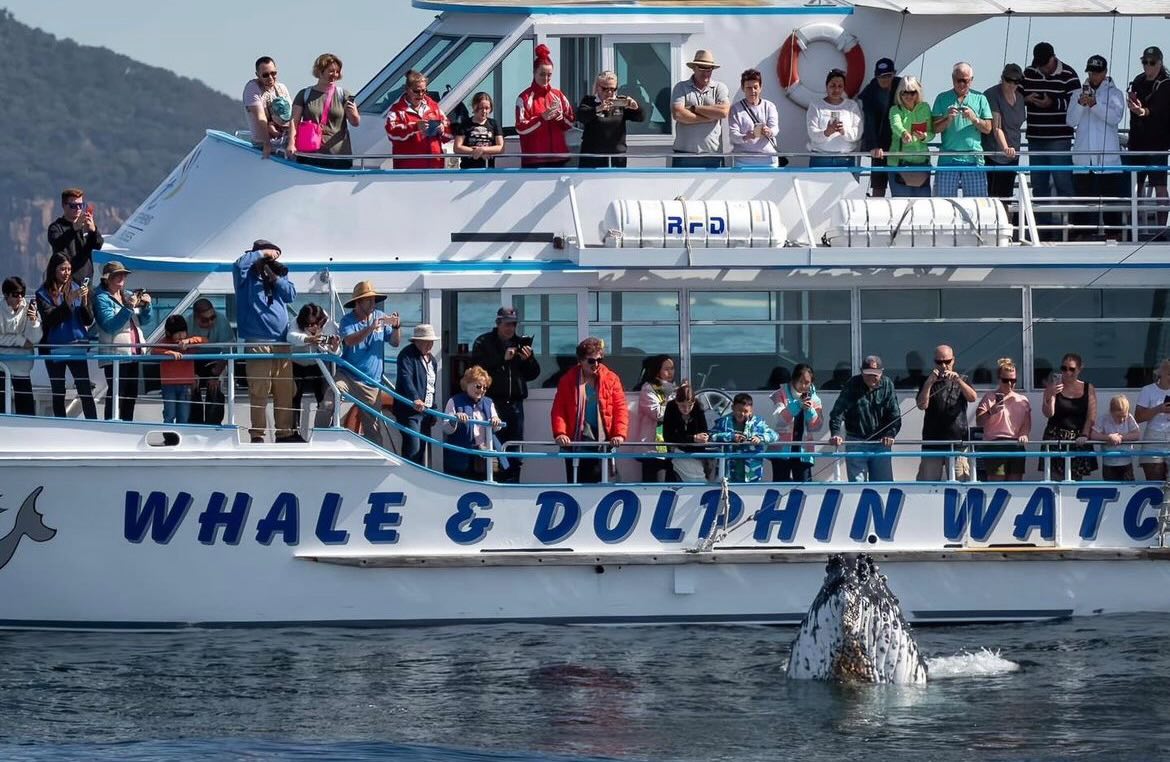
{"points": [[207, 402], [416, 126], [589, 406], [75, 233], [1149, 125], [268, 107], [943, 398]]}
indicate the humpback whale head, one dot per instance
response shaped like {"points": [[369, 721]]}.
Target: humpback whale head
{"points": [[854, 631]]}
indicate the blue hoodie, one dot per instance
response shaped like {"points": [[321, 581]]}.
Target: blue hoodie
{"points": [[256, 318]]}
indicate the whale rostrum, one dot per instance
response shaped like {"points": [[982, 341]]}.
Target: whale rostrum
{"points": [[854, 632], [30, 524]]}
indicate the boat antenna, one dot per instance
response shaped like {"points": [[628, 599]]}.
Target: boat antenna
{"points": [[901, 27], [1129, 54], [1007, 37]]}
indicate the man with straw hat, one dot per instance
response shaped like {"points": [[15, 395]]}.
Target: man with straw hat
{"points": [[364, 332], [699, 106]]}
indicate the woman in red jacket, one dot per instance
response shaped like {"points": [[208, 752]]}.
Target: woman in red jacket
{"points": [[589, 406], [543, 116], [416, 125]]}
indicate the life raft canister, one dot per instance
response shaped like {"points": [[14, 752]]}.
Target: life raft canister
{"points": [[788, 61]]}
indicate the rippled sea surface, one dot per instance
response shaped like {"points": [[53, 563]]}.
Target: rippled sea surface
{"points": [[1085, 688]]}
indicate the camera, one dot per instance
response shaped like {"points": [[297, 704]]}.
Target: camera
{"points": [[524, 341]]}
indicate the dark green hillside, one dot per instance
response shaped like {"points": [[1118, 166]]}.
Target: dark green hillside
{"points": [[80, 115]]}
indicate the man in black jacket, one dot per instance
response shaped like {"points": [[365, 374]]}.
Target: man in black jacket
{"points": [[510, 362], [75, 233], [1149, 124], [876, 99]]}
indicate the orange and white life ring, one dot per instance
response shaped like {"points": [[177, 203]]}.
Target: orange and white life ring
{"points": [[788, 62]]}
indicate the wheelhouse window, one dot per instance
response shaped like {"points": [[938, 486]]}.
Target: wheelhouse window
{"points": [[634, 326], [580, 62], [445, 59], [905, 325], [1120, 333], [505, 83], [551, 321], [643, 71], [750, 340]]}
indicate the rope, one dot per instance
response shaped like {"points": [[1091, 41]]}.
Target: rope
{"points": [[1007, 36]]}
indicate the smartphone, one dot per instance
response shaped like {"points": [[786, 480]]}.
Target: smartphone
{"points": [[806, 396], [834, 116], [89, 209], [85, 281], [139, 291], [1166, 400], [434, 127], [1053, 378], [525, 341], [999, 398]]}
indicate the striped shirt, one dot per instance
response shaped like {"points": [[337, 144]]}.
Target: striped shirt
{"points": [[1062, 86]]}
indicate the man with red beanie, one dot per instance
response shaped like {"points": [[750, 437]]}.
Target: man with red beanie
{"points": [[543, 116], [416, 125]]}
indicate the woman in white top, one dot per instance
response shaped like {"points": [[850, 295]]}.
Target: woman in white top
{"points": [[655, 389], [20, 331], [753, 124], [1153, 410], [834, 126], [311, 333]]}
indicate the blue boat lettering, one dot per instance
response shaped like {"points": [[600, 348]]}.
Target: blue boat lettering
{"points": [[715, 225], [465, 526], [625, 504], [327, 531], [232, 520], [380, 521], [660, 528], [771, 514], [557, 518], [966, 509], [1139, 528], [283, 518], [158, 515], [882, 513], [828, 515], [1039, 513], [712, 504], [1095, 499]]}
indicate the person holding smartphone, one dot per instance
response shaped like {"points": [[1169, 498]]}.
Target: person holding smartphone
{"points": [[797, 418], [1153, 412], [1006, 417], [603, 116], [510, 361], [834, 125], [943, 398], [76, 233], [20, 330], [417, 127], [120, 315]]}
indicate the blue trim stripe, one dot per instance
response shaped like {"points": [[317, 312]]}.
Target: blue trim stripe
{"points": [[681, 9]]}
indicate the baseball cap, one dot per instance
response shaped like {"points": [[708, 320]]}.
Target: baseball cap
{"points": [[1042, 53], [1012, 73], [871, 366], [883, 67], [1152, 52], [506, 315], [260, 244], [1096, 64]]}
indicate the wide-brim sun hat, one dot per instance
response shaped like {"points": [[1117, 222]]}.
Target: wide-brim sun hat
{"points": [[703, 58], [424, 332], [113, 268], [363, 290]]}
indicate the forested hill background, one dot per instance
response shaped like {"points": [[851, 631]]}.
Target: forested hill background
{"points": [[75, 115]]}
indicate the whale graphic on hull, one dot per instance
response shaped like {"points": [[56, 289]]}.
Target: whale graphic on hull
{"points": [[854, 631], [29, 523]]}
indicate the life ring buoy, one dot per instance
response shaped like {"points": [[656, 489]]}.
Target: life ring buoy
{"points": [[788, 61]]}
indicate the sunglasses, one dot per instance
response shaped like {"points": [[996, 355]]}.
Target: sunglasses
{"points": [[608, 89], [704, 68], [207, 318], [947, 361], [76, 205], [480, 387], [910, 92], [1007, 380], [268, 74], [1068, 369], [418, 90], [595, 360], [1150, 62], [962, 80]]}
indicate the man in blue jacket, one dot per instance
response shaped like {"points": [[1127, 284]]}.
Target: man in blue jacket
{"points": [[417, 382], [263, 292]]}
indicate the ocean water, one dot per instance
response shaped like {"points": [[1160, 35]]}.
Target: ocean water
{"points": [[1085, 688]]}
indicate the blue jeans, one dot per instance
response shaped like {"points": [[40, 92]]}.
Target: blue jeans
{"points": [[829, 160], [899, 189], [696, 161], [176, 403], [878, 467], [1044, 184]]}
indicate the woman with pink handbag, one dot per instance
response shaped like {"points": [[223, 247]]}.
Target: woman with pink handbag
{"points": [[321, 117]]}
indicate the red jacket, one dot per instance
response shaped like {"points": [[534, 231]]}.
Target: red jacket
{"points": [[567, 413], [402, 129], [536, 134]]}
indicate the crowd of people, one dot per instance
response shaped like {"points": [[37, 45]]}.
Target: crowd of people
{"points": [[1067, 122]]}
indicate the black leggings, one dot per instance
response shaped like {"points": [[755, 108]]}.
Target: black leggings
{"points": [[79, 369], [127, 391], [23, 402]]}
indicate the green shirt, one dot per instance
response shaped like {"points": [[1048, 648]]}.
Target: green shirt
{"points": [[961, 134], [903, 120]]}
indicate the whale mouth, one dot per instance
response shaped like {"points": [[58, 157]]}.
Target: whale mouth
{"points": [[854, 631]]}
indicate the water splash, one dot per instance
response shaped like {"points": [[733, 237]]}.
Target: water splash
{"points": [[979, 663]]}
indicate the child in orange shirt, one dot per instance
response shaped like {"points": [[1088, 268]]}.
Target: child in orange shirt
{"points": [[177, 374]]}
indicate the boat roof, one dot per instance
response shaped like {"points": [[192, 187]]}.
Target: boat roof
{"points": [[749, 7]]}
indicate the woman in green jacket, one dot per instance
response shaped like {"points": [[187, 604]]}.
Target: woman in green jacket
{"points": [[912, 128]]}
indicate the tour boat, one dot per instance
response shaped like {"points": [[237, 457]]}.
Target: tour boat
{"points": [[738, 273]]}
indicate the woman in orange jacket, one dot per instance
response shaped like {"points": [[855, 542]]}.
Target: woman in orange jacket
{"points": [[589, 406]]}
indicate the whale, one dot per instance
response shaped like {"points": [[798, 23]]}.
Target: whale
{"points": [[854, 631], [29, 523]]}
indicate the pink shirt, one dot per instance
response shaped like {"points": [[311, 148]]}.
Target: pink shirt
{"points": [[1011, 420]]}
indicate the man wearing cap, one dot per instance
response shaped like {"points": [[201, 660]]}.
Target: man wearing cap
{"points": [[1050, 85], [876, 99], [417, 381], [961, 117], [866, 413], [1149, 125], [1095, 115], [1002, 144], [510, 361], [268, 107], [699, 106], [364, 332], [263, 293]]}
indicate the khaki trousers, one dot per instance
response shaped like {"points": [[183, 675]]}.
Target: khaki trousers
{"points": [[372, 428], [270, 379]]}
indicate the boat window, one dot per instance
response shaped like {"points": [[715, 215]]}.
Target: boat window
{"points": [[445, 59], [409, 306], [634, 324], [505, 83], [580, 62], [904, 326], [1120, 333], [551, 321], [643, 71], [750, 340]]}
